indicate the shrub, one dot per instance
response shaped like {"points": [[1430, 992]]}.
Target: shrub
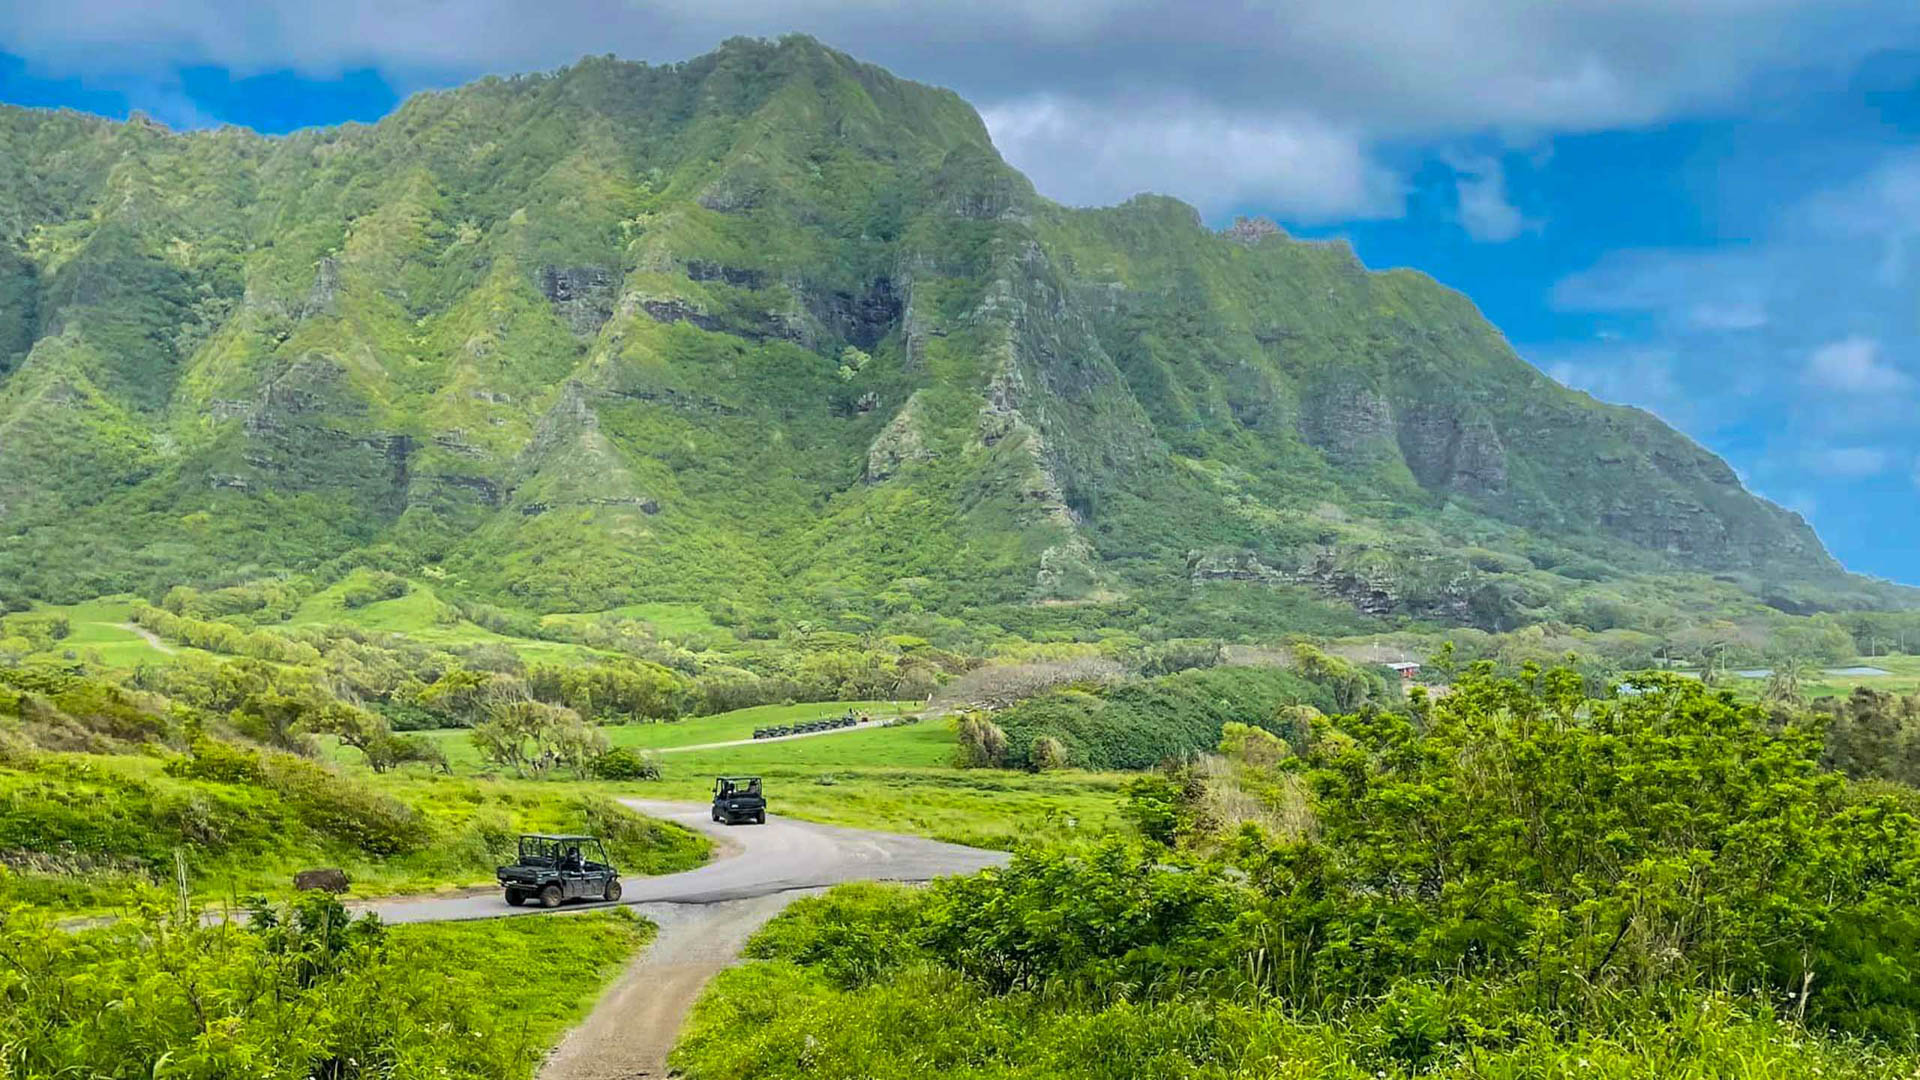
{"points": [[623, 763], [1048, 753], [982, 745]]}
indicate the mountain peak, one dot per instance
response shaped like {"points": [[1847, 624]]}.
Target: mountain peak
{"points": [[773, 323]]}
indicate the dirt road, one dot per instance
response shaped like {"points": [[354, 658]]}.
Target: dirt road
{"points": [[145, 635], [635, 1025], [705, 917]]}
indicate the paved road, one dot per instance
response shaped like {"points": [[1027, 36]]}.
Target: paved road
{"points": [[781, 856], [705, 917]]}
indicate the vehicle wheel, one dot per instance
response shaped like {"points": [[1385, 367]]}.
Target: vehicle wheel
{"points": [[550, 896], [760, 818], [515, 897], [613, 892], [716, 814]]}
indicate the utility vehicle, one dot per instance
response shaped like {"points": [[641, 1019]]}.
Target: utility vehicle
{"points": [[737, 799], [554, 869]]}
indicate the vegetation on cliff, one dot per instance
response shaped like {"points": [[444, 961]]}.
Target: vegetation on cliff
{"points": [[775, 325]]}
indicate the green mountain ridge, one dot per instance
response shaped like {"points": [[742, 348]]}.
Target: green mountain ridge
{"points": [[774, 326]]}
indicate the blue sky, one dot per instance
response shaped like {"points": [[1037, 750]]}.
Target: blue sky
{"points": [[1707, 208]]}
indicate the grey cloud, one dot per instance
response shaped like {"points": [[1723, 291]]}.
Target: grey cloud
{"points": [[1332, 80], [1391, 66], [1088, 154]]}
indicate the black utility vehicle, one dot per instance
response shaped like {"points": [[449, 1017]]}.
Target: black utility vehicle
{"points": [[555, 869], [737, 799]]}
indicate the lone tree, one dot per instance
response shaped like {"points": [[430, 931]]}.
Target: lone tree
{"points": [[532, 736]]}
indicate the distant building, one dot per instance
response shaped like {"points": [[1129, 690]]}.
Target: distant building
{"points": [[1408, 670]]}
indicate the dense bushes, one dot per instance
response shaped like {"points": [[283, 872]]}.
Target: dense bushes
{"points": [[1514, 880], [1138, 724], [324, 800], [304, 991]]}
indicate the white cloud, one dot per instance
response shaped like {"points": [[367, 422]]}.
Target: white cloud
{"points": [[1626, 376], [1882, 207], [1480, 189], [1728, 315], [1854, 366], [1850, 461], [1715, 290], [1084, 153]]}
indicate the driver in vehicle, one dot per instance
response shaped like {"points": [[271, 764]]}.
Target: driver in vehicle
{"points": [[572, 860]]}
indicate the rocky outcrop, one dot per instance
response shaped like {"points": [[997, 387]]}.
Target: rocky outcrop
{"points": [[860, 318], [570, 462], [1249, 231], [739, 277], [1349, 422], [325, 290], [902, 442], [308, 430], [744, 186], [582, 296], [674, 310], [1372, 589], [1447, 451]]}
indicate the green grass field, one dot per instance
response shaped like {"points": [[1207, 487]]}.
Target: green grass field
{"points": [[424, 617], [988, 808], [891, 779], [723, 727], [1902, 677], [538, 976], [104, 628]]}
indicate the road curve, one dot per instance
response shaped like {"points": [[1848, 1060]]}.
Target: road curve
{"points": [[705, 918], [782, 856]]}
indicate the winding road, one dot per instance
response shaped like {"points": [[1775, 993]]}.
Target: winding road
{"points": [[705, 918]]}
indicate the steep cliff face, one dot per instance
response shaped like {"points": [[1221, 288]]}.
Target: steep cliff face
{"points": [[772, 323]]}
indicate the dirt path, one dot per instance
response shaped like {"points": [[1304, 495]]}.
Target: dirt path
{"points": [[778, 738], [145, 634], [634, 1027]]}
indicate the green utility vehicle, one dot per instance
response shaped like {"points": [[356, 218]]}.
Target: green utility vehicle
{"points": [[555, 869], [739, 799]]}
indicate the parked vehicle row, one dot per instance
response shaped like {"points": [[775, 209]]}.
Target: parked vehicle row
{"points": [[808, 727]]}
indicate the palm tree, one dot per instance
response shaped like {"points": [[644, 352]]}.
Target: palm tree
{"points": [[1785, 682]]}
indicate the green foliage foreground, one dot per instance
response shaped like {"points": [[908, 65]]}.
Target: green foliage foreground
{"points": [[1516, 880], [301, 991]]}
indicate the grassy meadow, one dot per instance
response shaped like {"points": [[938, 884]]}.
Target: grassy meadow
{"points": [[892, 779]]}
